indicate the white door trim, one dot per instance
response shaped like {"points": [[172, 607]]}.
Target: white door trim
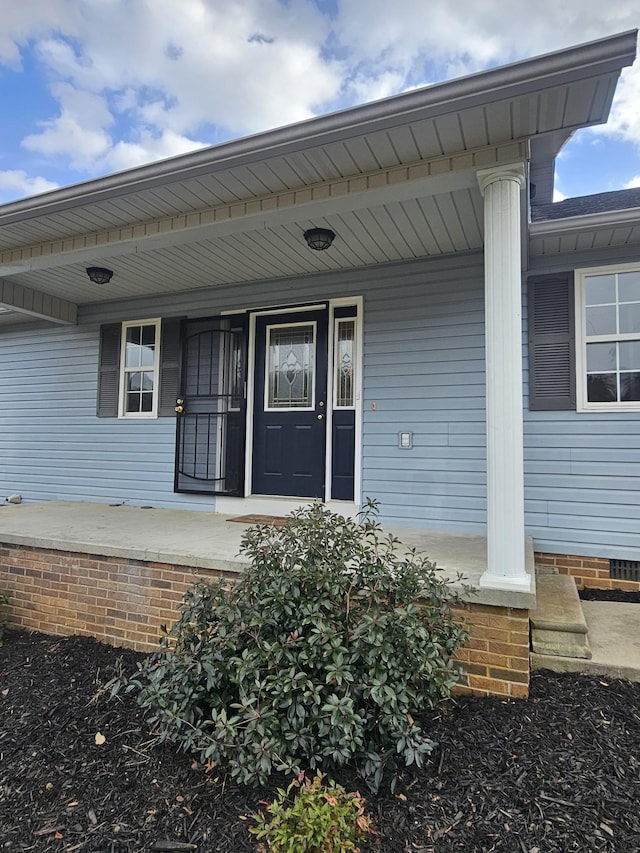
{"points": [[262, 502]]}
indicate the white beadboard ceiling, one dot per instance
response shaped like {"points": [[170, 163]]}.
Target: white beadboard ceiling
{"points": [[395, 180]]}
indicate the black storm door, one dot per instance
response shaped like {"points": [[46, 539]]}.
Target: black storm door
{"points": [[211, 409]]}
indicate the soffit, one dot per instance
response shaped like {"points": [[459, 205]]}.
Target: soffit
{"points": [[617, 229]]}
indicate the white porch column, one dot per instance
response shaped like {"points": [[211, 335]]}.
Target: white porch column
{"points": [[501, 188]]}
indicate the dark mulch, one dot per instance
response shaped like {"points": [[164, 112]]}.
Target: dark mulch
{"points": [[589, 594], [557, 772]]}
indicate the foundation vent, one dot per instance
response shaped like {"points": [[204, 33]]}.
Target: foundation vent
{"points": [[625, 570]]}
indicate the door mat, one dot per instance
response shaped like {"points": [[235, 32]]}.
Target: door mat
{"points": [[275, 520]]}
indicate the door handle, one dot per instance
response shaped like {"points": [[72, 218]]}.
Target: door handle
{"points": [[320, 417], [179, 409]]}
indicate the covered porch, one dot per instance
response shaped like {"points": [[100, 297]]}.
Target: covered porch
{"points": [[119, 573]]}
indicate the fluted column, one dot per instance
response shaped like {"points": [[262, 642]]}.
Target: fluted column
{"points": [[501, 188]]}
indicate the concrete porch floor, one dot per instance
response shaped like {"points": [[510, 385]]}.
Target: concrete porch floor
{"points": [[209, 540]]}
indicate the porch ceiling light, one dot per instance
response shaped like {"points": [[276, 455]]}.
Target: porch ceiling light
{"points": [[319, 238], [99, 275]]}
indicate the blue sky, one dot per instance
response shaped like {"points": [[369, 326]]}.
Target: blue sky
{"points": [[89, 87]]}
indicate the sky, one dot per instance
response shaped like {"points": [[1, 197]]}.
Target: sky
{"points": [[89, 87]]}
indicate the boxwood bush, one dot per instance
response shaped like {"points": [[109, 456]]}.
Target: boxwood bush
{"points": [[324, 651]]}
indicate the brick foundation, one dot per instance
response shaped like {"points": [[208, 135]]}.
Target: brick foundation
{"points": [[496, 656], [125, 602], [591, 572], [120, 601]]}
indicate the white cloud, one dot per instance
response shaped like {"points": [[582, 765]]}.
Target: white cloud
{"points": [[624, 122], [135, 80], [126, 155], [15, 183], [558, 196], [633, 183], [411, 34], [79, 132]]}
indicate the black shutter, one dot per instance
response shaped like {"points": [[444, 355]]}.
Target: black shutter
{"points": [[169, 367], [109, 371], [552, 369]]}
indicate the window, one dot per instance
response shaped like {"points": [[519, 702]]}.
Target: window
{"points": [[133, 382], [344, 362], [608, 339], [139, 364], [290, 367]]}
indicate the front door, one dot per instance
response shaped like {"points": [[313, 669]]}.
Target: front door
{"points": [[290, 404]]}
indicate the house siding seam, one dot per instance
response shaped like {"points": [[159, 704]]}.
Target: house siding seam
{"points": [[126, 602]]}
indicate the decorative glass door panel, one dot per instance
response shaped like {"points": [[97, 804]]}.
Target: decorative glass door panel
{"points": [[290, 358]]}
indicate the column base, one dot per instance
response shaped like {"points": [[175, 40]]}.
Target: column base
{"points": [[519, 583]]}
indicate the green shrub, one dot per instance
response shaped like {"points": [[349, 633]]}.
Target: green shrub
{"points": [[321, 819], [319, 656], [3, 601]]}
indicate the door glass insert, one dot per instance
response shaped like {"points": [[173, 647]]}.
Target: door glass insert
{"points": [[290, 366], [344, 362]]}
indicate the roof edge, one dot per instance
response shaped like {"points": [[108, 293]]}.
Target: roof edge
{"points": [[617, 50], [584, 222]]}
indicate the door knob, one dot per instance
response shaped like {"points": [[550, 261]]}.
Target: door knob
{"points": [[179, 409], [320, 417]]}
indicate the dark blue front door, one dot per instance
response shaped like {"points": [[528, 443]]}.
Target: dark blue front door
{"points": [[290, 404]]}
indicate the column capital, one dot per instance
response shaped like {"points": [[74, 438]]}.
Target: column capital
{"points": [[510, 172]]}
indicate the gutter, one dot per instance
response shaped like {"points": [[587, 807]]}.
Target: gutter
{"points": [[585, 222], [608, 55]]}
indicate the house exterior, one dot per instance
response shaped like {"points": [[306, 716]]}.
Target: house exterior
{"points": [[465, 351]]}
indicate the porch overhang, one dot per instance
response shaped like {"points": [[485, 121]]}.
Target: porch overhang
{"points": [[394, 179]]}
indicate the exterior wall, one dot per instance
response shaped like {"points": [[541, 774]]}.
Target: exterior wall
{"points": [[423, 372], [125, 602], [582, 470]]}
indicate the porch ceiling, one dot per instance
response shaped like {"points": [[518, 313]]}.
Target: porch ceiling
{"points": [[394, 179]]}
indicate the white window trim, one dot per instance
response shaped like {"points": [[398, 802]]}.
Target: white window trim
{"points": [[334, 362], [582, 403], [122, 413]]}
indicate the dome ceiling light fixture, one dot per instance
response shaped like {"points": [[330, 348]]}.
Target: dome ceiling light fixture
{"points": [[99, 275], [319, 238]]}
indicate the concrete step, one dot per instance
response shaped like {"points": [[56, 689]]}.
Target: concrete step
{"points": [[614, 637], [558, 626]]}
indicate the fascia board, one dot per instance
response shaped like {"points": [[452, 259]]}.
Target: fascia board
{"points": [[585, 223]]}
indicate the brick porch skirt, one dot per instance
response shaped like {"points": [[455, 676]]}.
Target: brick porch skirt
{"points": [[124, 602], [591, 572]]}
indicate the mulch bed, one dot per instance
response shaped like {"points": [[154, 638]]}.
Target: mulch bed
{"points": [[588, 594], [557, 772]]}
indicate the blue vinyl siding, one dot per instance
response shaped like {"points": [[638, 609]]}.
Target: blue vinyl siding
{"points": [[423, 373], [423, 342], [582, 472]]}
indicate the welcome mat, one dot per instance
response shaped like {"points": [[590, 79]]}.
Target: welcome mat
{"points": [[275, 520]]}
